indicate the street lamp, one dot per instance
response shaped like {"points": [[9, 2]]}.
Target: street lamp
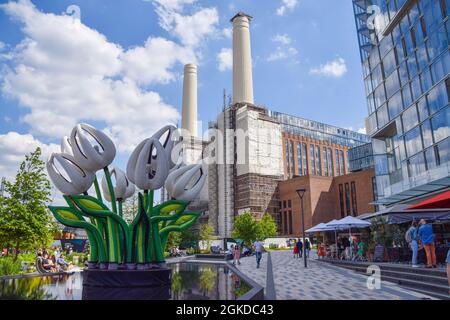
{"points": [[301, 193]]}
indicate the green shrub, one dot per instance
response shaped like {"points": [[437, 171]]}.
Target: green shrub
{"points": [[9, 267]]}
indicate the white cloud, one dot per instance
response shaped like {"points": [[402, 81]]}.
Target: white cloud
{"points": [[287, 5], [14, 146], [64, 72], [283, 50], [335, 69], [2, 45], [362, 130], [153, 62], [283, 39], [174, 4], [225, 58], [227, 32], [359, 130], [189, 29], [282, 53]]}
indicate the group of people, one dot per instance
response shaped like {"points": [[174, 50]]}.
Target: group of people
{"points": [[298, 248], [53, 263], [235, 252], [176, 252], [421, 236]]}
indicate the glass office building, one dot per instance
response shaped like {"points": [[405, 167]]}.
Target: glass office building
{"points": [[404, 46], [319, 131]]}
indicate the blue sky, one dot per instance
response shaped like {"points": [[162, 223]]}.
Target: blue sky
{"points": [[119, 67]]}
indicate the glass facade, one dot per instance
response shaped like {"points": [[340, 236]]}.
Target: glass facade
{"points": [[404, 46], [319, 131], [360, 158]]}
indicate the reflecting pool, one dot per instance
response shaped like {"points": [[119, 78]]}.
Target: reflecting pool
{"points": [[190, 281]]}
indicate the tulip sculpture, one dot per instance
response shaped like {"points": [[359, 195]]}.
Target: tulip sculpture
{"points": [[115, 244]]}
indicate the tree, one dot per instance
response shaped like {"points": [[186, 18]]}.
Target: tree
{"points": [[130, 207], [25, 222], [174, 240], [267, 227], [245, 228], [206, 234]]}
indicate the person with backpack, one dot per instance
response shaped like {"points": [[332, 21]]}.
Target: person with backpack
{"points": [[411, 238]]}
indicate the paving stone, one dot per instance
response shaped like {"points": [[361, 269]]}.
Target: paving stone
{"points": [[319, 281]]}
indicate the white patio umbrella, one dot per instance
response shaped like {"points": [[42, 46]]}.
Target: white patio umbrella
{"points": [[349, 222], [316, 228], [330, 226]]}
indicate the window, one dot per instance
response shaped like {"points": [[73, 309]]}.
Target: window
{"points": [[347, 198], [299, 159], [285, 223], [354, 206], [441, 125], [286, 150], [443, 152], [430, 157], [304, 159], [284, 204], [318, 161], [325, 161], [290, 222], [341, 162], [410, 118], [312, 160], [426, 134], [437, 98], [291, 159], [413, 141], [341, 200], [337, 166], [330, 162], [289, 203], [416, 165]]}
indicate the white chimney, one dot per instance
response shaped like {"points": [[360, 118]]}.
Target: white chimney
{"points": [[242, 59], [189, 109]]}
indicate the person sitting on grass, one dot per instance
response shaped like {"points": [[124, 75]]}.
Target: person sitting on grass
{"points": [[61, 263]]}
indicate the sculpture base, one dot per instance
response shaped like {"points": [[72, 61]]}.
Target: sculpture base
{"points": [[154, 284]]}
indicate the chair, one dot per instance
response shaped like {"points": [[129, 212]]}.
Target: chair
{"points": [[39, 267]]}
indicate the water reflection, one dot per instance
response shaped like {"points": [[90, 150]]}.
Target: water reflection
{"points": [[189, 281]]}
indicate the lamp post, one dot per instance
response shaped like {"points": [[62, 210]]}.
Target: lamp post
{"points": [[301, 193]]}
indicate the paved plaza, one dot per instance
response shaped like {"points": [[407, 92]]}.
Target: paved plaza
{"points": [[285, 278]]}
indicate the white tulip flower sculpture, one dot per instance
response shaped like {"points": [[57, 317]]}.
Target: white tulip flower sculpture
{"points": [[113, 241]]}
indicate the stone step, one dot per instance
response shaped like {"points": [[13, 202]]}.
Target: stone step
{"points": [[405, 275], [439, 272], [433, 282]]}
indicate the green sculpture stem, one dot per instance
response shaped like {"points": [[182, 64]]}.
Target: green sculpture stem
{"points": [[97, 190], [155, 236], [120, 201], [110, 189]]}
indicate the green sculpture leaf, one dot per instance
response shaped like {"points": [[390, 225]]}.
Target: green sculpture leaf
{"points": [[117, 230], [72, 218]]}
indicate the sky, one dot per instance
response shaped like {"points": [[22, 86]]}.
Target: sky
{"points": [[118, 65]]}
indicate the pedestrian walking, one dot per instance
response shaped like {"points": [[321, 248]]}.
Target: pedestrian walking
{"points": [[258, 252], [411, 238], [295, 252], [236, 255], [307, 247], [427, 238], [299, 245]]}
